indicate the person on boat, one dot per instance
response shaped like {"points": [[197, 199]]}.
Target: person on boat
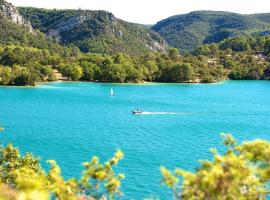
{"points": [[139, 111]]}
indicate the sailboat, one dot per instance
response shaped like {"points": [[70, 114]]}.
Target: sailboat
{"points": [[112, 93]]}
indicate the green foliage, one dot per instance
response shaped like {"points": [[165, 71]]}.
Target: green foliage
{"points": [[99, 179], [267, 46], [11, 33], [72, 71], [30, 184], [18, 75], [236, 44], [173, 54], [241, 173], [11, 161], [180, 73], [209, 63], [58, 186], [22, 178], [171, 67], [188, 31], [243, 58], [27, 65]]}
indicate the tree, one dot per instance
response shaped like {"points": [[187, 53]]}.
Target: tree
{"points": [[11, 160], [46, 72], [89, 71], [5, 75], [173, 54], [181, 73], [236, 44], [23, 76], [241, 173], [23, 177], [202, 50], [188, 73], [267, 46], [214, 49], [150, 70], [228, 51], [97, 177], [72, 71]]}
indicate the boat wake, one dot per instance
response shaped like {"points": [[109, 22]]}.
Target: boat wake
{"points": [[199, 113], [163, 113]]}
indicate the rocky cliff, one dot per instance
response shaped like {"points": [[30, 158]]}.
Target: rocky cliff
{"points": [[94, 31], [10, 12]]}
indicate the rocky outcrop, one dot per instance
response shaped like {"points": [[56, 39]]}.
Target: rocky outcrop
{"points": [[94, 31], [9, 11]]}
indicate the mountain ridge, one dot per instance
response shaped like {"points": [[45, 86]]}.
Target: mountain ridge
{"points": [[188, 31], [94, 31], [99, 31]]}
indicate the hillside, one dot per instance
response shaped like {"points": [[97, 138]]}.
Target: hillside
{"points": [[11, 13], [16, 30], [188, 31], [94, 31], [27, 55]]}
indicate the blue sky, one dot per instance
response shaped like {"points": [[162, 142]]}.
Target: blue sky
{"points": [[151, 11]]}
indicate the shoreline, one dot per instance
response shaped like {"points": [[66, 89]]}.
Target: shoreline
{"points": [[127, 83]]}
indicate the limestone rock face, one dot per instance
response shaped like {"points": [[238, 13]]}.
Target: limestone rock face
{"points": [[9, 11], [95, 31]]}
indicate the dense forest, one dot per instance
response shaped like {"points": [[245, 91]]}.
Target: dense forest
{"points": [[102, 32], [188, 31], [236, 58]]}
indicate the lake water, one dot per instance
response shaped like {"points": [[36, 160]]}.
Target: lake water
{"points": [[71, 122]]}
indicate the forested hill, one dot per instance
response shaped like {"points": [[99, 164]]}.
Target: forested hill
{"points": [[188, 31], [94, 31]]}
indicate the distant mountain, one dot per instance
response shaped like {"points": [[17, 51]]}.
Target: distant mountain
{"points": [[188, 31], [102, 32], [265, 17], [94, 31]]}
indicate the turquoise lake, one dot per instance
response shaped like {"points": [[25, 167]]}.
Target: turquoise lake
{"points": [[71, 122]]}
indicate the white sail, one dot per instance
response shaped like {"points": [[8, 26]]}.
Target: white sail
{"points": [[112, 92]]}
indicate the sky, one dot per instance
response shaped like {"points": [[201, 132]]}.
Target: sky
{"points": [[151, 11]]}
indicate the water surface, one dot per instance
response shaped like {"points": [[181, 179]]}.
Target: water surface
{"points": [[70, 122]]}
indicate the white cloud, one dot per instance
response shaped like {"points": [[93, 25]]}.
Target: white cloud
{"points": [[151, 11]]}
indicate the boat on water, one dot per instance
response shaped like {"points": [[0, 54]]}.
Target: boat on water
{"points": [[112, 93], [137, 112]]}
